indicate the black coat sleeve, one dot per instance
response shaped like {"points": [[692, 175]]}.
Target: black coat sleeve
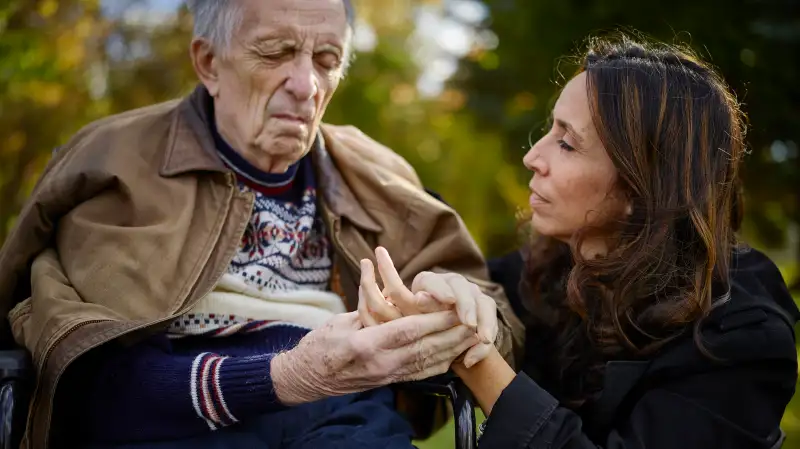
{"points": [[736, 405]]}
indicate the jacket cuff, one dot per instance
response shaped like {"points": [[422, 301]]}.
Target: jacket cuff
{"points": [[518, 415]]}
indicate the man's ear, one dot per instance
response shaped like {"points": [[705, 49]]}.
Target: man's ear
{"points": [[206, 64]]}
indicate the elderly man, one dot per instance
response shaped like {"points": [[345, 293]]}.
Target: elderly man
{"points": [[186, 275]]}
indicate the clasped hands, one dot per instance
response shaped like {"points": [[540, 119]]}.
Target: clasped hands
{"points": [[397, 335], [430, 292]]}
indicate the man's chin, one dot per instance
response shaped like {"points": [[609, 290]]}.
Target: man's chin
{"points": [[282, 151]]}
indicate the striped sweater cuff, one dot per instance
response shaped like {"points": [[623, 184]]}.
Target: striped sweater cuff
{"points": [[225, 390]]}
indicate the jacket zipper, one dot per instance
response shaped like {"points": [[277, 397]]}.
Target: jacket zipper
{"points": [[36, 391], [48, 421]]}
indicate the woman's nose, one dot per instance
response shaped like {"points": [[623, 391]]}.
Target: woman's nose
{"points": [[534, 160]]}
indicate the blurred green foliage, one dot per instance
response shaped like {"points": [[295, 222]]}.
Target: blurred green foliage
{"points": [[65, 63]]}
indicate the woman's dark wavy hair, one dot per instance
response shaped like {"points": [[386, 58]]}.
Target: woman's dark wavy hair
{"points": [[675, 133]]}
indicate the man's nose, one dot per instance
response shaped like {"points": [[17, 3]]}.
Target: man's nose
{"points": [[302, 81]]}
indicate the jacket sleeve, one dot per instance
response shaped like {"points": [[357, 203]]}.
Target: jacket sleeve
{"points": [[146, 392], [734, 407]]}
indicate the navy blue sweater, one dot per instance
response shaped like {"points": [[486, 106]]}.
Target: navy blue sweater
{"points": [[164, 389]]}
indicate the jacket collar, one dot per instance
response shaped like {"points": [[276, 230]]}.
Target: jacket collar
{"points": [[190, 145], [336, 193], [190, 148]]}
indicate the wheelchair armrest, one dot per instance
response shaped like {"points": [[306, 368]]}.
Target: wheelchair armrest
{"points": [[450, 386], [15, 363], [777, 438], [16, 373]]}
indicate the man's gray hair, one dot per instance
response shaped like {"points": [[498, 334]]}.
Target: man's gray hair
{"points": [[217, 20]]}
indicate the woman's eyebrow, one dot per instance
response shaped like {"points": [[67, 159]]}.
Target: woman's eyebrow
{"points": [[570, 129]]}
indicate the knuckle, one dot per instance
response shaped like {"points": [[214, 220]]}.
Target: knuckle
{"points": [[425, 277], [454, 278], [418, 364], [422, 302], [359, 347], [424, 274], [423, 355], [475, 289], [405, 334]]}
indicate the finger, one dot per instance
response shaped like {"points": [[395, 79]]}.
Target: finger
{"points": [[426, 303], [477, 353], [408, 329], [428, 372], [487, 318], [436, 285], [347, 320], [447, 345], [375, 302], [437, 348], [393, 284], [363, 312], [465, 300]]}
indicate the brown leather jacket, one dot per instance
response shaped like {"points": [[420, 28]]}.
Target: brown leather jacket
{"points": [[136, 218]]}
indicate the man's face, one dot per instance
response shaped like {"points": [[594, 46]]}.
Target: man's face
{"points": [[272, 86]]}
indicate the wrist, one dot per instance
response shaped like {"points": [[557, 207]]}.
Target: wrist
{"points": [[290, 388], [487, 379]]}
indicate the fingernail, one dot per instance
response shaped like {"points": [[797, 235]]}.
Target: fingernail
{"points": [[472, 318], [469, 362]]}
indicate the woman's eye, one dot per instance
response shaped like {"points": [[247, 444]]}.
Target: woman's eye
{"points": [[565, 146]]}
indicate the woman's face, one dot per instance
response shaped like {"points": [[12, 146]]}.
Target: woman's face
{"points": [[573, 176]]}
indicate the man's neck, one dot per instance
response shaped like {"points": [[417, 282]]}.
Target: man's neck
{"points": [[244, 169]]}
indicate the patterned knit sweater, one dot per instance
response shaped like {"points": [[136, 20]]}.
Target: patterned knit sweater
{"points": [[190, 381]]}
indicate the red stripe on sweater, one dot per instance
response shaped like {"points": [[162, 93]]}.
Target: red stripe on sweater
{"points": [[205, 403], [216, 392]]}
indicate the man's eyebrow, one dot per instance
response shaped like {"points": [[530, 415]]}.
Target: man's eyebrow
{"points": [[570, 129]]}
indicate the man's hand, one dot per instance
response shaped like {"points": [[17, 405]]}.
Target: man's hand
{"points": [[345, 357], [430, 292]]}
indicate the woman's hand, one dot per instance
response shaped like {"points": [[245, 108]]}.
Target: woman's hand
{"points": [[430, 292]]}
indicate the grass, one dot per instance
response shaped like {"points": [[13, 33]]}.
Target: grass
{"points": [[444, 438]]}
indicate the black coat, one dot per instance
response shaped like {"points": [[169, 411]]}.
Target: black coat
{"points": [[679, 399]]}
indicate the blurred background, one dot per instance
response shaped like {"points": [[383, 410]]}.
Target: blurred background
{"points": [[458, 87]]}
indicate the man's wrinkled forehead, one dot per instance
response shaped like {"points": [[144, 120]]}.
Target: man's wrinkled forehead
{"points": [[325, 15]]}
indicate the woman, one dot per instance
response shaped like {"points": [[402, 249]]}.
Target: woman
{"points": [[647, 324]]}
